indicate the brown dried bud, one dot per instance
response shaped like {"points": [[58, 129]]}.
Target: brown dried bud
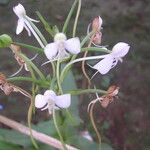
{"points": [[97, 23], [109, 97], [15, 48], [2, 79], [97, 37], [19, 60], [113, 90], [7, 88], [106, 100]]}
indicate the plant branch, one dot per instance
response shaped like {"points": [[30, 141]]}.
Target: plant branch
{"points": [[37, 135]]}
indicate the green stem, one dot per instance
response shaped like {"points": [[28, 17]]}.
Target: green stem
{"points": [[30, 110], [69, 16], [37, 31], [39, 82], [85, 91], [53, 68], [46, 25], [29, 124], [76, 19], [58, 131], [94, 126], [69, 115], [86, 38], [58, 77], [67, 67], [29, 62], [36, 49], [95, 49]]}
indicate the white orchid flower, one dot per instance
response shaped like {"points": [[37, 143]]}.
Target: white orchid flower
{"points": [[111, 60], [24, 22], [61, 46], [51, 101]]}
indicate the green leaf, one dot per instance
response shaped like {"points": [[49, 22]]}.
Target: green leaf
{"points": [[46, 127], [84, 144], [5, 41], [8, 146], [70, 84], [69, 16], [17, 138], [105, 146], [45, 147], [48, 28], [14, 137]]}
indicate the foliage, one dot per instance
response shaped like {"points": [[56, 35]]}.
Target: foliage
{"points": [[60, 85]]}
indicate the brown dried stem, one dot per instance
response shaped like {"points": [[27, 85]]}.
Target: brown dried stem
{"points": [[37, 135]]}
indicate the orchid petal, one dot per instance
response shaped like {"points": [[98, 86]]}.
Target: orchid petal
{"points": [[19, 10], [20, 26], [120, 49], [115, 61], [104, 65], [100, 21], [40, 101], [73, 45], [51, 50], [32, 19], [63, 101]]}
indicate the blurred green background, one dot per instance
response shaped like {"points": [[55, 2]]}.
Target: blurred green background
{"points": [[125, 124]]}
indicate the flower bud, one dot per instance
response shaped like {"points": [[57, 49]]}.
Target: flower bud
{"points": [[97, 23], [105, 101], [60, 37], [113, 90], [97, 37]]}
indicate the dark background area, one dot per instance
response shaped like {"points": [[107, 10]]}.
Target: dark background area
{"points": [[125, 123]]}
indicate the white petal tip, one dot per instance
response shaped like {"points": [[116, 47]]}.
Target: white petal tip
{"points": [[73, 45], [120, 49], [40, 101], [51, 50], [63, 101]]}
